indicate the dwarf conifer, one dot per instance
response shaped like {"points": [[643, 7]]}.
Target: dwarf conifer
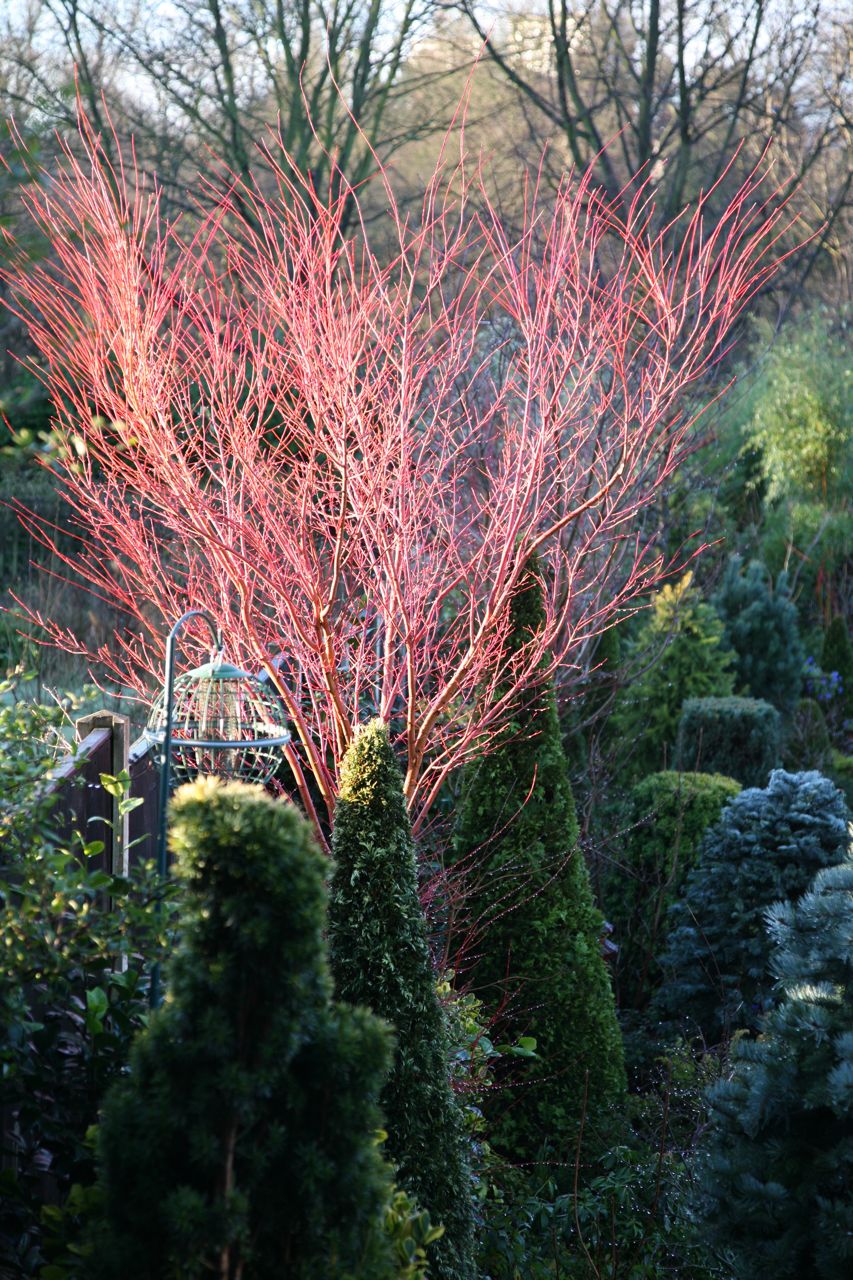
{"points": [[542, 934], [380, 958], [767, 846], [778, 1177], [682, 653], [761, 626], [243, 1143]]}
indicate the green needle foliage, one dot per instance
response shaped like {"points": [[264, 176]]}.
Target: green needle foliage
{"points": [[682, 639], [243, 1142], [540, 925], [380, 958], [761, 627], [667, 816], [767, 846], [779, 1172]]}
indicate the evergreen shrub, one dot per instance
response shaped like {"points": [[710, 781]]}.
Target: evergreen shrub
{"points": [[767, 845], [837, 655], [541, 932], [738, 737], [243, 1142], [666, 817], [807, 743], [761, 627], [73, 991], [681, 646], [778, 1176], [380, 958]]}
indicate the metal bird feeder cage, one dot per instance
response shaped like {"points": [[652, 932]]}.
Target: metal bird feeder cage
{"points": [[224, 722], [215, 720]]}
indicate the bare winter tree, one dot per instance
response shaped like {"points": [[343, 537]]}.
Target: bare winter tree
{"points": [[191, 77], [679, 83]]}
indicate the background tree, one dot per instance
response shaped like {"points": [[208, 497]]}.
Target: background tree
{"points": [[192, 79], [244, 1137], [680, 83], [767, 846], [538, 947], [778, 1188], [792, 431], [761, 627], [380, 958]]}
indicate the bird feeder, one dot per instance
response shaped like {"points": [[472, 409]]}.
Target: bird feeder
{"points": [[214, 720]]}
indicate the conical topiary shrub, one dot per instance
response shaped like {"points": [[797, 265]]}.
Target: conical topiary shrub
{"points": [[682, 653], [380, 958], [517, 819], [243, 1144]]}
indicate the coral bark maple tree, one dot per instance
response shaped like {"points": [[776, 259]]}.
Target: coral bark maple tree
{"points": [[347, 448]]}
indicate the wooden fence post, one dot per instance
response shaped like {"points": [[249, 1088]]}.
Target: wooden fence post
{"points": [[117, 841]]}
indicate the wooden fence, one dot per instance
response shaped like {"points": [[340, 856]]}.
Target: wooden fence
{"points": [[81, 805]]}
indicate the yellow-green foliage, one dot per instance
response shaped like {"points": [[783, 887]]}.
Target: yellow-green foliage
{"points": [[667, 815], [681, 638], [802, 414]]}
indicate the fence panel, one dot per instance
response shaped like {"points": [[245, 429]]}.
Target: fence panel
{"points": [[144, 785]]}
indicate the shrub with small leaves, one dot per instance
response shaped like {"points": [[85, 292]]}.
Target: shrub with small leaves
{"points": [[666, 817], [767, 845], [539, 951], [243, 1142], [73, 992], [683, 653], [738, 737]]}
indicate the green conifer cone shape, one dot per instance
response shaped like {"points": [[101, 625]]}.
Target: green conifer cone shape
{"points": [[517, 820], [380, 958], [243, 1142]]}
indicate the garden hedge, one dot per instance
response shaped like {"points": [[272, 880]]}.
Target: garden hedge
{"points": [[738, 737], [666, 817]]}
